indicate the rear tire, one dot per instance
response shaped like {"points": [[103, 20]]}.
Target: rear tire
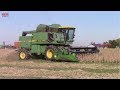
{"points": [[24, 54]]}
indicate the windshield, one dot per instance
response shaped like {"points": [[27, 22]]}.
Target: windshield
{"points": [[69, 34]]}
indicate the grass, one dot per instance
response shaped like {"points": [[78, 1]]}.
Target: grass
{"points": [[19, 77], [47, 70], [101, 70], [68, 67], [104, 63]]}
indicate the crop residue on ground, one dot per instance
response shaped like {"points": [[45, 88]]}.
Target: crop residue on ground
{"points": [[11, 67]]}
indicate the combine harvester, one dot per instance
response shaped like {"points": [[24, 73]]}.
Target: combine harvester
{"points": [[51, 42]]}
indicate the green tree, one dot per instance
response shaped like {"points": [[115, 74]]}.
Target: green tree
{"points": [[113, 43], [118, 41]]}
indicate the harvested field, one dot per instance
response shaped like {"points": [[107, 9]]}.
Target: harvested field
{"points": [[12, 68]]}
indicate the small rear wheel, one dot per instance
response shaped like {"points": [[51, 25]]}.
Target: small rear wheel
{"points": [[24, 54]]}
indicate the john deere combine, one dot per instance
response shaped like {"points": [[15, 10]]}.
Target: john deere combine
{"points": [[51, 42]]}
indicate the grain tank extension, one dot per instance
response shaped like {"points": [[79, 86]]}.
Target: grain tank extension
{"points": [[51, 42]]}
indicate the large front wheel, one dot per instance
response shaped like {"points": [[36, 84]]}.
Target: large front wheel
{"points": [[49, 53]]}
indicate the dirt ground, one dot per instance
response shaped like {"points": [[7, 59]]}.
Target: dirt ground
{"points": [[13, 68]]}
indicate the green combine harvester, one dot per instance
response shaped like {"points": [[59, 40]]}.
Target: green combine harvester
{"points": [[51, 42]]}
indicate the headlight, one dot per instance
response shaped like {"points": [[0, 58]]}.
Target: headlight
{"points": [[55, 56]]}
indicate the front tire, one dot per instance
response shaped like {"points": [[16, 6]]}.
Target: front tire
{"points": [[49, 53]]}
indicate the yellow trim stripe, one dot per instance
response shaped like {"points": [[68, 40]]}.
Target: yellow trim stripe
{"points": [[66, 27], [34, 41]]}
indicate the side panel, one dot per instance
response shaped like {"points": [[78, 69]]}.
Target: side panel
{"points": [[38, 49], [42, 48], [43, 38], [25, 41], [40, 38], [34, 49]]}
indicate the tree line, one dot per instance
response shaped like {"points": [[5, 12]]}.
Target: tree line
{"points": [[113, 43]]}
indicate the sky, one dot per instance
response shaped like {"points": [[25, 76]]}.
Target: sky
{"points": [[91, 26]]}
